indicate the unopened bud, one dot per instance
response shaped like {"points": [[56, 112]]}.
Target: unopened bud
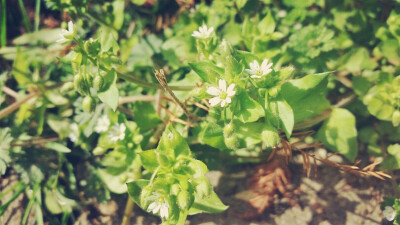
{"points": [[396, 118], [232, 142], [270, 136], [89, 104], [229, 129], [184, 200], [80, 85]]}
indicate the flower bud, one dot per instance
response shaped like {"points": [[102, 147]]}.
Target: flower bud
{"points": [[229, 129], [89, 104], [98, 83], [68, 86], [270, 136], [80, 85], [184, 200], [396, 118], [99, 150], [203, 187], [232, 142], [273, 92], [175, 189]]}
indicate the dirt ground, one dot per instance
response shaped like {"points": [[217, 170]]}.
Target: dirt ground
{"points": [[331, 197]]}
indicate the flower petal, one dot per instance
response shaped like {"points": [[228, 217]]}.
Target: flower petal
{"points": [[223, 103], [250, 71], [255, 76], [70, 26], [264, 64], [213, 91], [196, 34], [164, 211], [228, 100], [214, 101], [230, 90], [210, 31], [222, 85]]}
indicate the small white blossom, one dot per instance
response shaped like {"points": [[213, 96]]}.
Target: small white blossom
{"points": [[117, 132], [223, 95], [159, 204], [69, 34], [282, 13], [257, 71], [297, 26], [102, 124], [389, 213], [203, 33], [74, 135]]}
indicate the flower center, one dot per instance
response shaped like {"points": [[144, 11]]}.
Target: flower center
{"points": [[223, 95]]}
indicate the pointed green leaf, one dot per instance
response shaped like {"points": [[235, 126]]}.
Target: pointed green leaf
{"points": [[57, 147], [172, 143], [339, 133], [207, 71], [306, 96], [278, 108], [211, 205], [247, 109], [135, 188], [110, 97], [148, 159], [267, 24]]}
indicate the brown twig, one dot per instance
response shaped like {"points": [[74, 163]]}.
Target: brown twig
{"points": [[11, 108], [130, 99], [10, 92]]}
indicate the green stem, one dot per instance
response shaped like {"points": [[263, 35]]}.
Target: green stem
{"points": [[3, 31], [25, 17], [30, 203], [37, 15]]}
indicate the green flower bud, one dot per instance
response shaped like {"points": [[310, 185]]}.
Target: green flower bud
{"points": [[175, 189], [396, 118], [229, 129], [99, 150], [184, 200], [232, 142], [203, 187], [89, 104], [80, 85], [273, 92], [68, 86], [98, 83], [270, 136]]}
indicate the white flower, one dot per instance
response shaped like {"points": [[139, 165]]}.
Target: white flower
{"points": [[223, 94], [159, 204], [69, 34], [389, 213], [74, 135], [117, 132], [203, 32], [297, 26], [257, 71], [102, 124], [282, 13]]}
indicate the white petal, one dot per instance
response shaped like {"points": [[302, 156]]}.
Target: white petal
{"points": [[213, 91], [157, 208], [230, 90], [255, 76], [214, 101], [250, 71], [210, 31], [223, 103], [228, 100], [254, 65], [164, 211], [222, 85], [151, 206], [264, 63], [196, 34], [70, 26], [122, 127]]}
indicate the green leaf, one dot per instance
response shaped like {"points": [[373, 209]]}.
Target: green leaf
{"points": [[108, 39], [149, 160], [392, 162], [118, 12], [278, 108], [298, 4], [21, 70], [145, 115], [211, 205], [306, 96], [5, 140], [57, 147], [247, 109], [110, 97], [46, 36], [211, 134], [172, 143], [240, 3], [207, 71], [267, 24], [135, 188], [339, 133], [138, 2]]}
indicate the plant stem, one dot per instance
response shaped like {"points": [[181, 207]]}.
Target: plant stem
{"points": [[11, 108], [3, 29], [25, 17], [37, 15], [128, 211]]}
